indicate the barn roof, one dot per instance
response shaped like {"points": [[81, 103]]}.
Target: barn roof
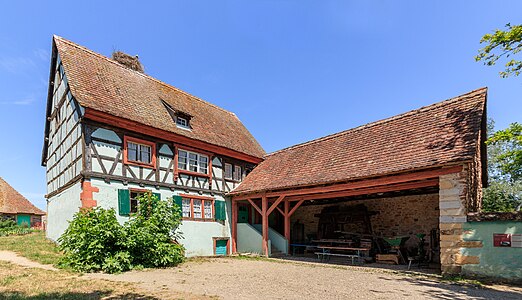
{"points": [[104, 85], [444, 133], [12, 202]]}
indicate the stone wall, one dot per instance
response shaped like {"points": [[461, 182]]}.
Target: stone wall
{"points": [[453, 196], [397, 216]]}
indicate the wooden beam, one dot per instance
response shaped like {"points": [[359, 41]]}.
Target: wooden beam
{"points": [[234, 226], [264, 215], [385, 180], [275, 204], [255, 206], [280, 210], [295, 208], [286, 214], [112, 120], [372, 190]]}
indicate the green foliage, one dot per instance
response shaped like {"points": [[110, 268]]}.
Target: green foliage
{"points": [[508, 154], [95, 241], [92, 236], [7, 223], [504, 168], [502, 196], [9, 227], [502, 44], [151, 232]]}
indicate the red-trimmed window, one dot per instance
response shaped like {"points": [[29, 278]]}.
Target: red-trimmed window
{"points": [[192, 161], [197, 208], [139, 152]]}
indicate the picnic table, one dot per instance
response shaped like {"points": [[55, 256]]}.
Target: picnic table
{"points": [[327, 252]]}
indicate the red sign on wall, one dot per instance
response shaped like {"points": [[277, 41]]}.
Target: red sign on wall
{"points": [[501, 240]]}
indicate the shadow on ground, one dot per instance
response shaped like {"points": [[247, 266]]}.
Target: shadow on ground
{"points": [[455, 291], [74, 295]]}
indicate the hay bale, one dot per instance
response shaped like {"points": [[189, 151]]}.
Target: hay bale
{"points": [[129, 61]]}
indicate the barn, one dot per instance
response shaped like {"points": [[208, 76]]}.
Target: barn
{"points": [[369, 191], [16, 207]]}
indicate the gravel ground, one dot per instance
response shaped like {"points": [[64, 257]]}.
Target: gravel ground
{"points": [[233, 278]]}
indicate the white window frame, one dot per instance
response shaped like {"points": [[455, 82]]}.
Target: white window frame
{"points": [[138, 153], [182, 122], [238, 173], [193, 159], [229, 175], [206, 209]]}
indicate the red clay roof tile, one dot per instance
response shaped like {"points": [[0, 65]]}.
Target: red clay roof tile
{"points": [[12, 202], [443, 133], [102, 84]]}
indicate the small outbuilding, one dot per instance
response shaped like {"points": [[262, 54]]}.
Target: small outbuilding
{"points": [[16, 207]]}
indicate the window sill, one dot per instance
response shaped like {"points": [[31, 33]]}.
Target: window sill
{"points": [[199, 220], [139, 164], [193, 173], [233, 180]]}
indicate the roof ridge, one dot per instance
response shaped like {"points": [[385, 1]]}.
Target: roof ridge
{"points": [[382, 121], [139, 73]]}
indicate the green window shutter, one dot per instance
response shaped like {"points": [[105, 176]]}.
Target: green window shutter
{"points": [[124, 202], [219, 208], [178, 200], [157, 195]]}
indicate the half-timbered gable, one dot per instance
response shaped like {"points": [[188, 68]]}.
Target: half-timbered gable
{"points": [[63, 151], [113, 133]]}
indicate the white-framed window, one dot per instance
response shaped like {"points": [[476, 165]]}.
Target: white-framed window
{"points": [[139, 152], [238, 174], [228, 171], [197, 209], [182, 122], [191, 161], [186, 208]]}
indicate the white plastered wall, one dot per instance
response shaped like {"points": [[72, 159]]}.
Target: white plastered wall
{"points": [[197, 236], [61, 209]]}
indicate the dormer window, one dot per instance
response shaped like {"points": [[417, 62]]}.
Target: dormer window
{"points": [[182, 122], [181, 119]]}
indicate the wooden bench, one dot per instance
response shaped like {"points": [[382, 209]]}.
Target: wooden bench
{"points": [[325, 256]]}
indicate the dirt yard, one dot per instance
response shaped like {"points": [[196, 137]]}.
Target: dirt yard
{"points": [[233, 278]]}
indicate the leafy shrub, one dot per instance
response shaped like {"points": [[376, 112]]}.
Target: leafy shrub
{"points": [[93, 236], [9, 227], [7, 223], [152, 231], [95, 241]]}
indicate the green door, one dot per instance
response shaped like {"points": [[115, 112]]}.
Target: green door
{"points": [[242, 215], [221, 247], [23, 219]]}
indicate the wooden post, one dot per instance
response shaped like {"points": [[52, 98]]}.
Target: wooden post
{"points": [[234, 226], [287, 225], [264, 215]]}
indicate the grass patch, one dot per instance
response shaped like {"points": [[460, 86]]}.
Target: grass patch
{"points": [[22, 283], [462, 280], [33, 246]]}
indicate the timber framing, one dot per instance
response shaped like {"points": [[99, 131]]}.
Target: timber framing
{"points": [[292, 199], [161, 134]]}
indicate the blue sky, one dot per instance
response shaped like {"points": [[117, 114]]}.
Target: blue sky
{"points": [[291, 70]]}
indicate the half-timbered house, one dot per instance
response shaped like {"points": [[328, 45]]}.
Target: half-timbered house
{"points": [[112, 133]]}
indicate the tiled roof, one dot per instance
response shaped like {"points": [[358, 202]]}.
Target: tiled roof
{"points": [[12, 202], [443, 133], [102, 84]]}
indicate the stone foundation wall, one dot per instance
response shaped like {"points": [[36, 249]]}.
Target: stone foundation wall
{"points": [[396, 216], [453, 196]]}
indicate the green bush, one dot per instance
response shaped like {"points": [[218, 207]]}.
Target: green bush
{"points": [[95, 241], [9, 227], [152, 231], [92, 236]]}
